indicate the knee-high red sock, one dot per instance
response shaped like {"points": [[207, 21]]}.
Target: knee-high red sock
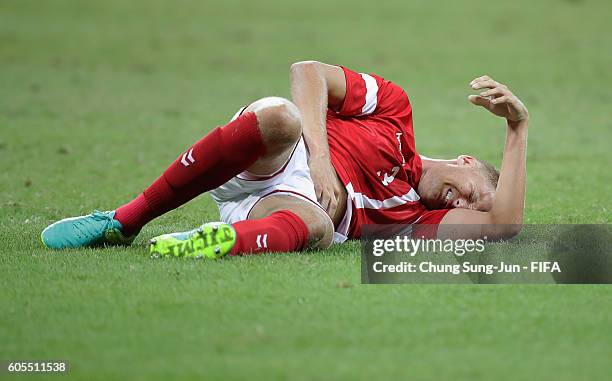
{"points": [[210, 162], [280, 231]]}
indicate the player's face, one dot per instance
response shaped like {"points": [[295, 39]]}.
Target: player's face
{"points": [[460, 185]]}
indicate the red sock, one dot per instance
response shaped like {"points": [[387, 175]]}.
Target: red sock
{"points": [[212, 161], [280, 231]]}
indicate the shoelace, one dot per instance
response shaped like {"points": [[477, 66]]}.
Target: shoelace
{"points": [[81, 227], [98, 215]]}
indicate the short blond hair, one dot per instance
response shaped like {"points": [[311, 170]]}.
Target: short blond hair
{"points": [[490, 172]]}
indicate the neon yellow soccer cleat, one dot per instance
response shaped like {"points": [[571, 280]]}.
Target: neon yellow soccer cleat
{"points": [[212, 240]]}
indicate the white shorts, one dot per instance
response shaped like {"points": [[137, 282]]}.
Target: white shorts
{"points": [[237, 197]]}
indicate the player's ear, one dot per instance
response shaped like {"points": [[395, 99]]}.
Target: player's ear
{"points": [[466, 160]]}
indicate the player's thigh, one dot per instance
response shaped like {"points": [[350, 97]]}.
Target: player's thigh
{"points": [[320, 227], [281, 128]]}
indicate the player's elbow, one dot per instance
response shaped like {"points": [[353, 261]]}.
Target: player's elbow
{"points": [[511, 230], [506, 229], [506, 222]]}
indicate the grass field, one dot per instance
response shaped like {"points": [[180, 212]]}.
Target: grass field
{"points": [[96, 97]]}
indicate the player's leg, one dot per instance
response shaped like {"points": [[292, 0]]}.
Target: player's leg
{"points": [[282, 130], [259, 139], [277, 223], [281, 223]]}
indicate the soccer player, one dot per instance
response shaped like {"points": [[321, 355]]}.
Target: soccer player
{"points": [[288, 176]]}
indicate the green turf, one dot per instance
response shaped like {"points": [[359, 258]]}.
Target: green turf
{"points": [[96, 97]]}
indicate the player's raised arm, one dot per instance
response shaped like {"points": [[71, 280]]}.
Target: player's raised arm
{"points": [[315, 86], [505, 218]]}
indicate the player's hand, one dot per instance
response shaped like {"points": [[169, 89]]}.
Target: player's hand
{"points": [[498, 99], [326, 183]]}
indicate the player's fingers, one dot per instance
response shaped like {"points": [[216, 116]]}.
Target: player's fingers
{"points": [[502, 99], [318, 192], [498, 91], [478, 79], [333, 205], [321, 193], [338, 192], [324, 202], [478, 100], [331, 195], [485, 84], [486, 78]]}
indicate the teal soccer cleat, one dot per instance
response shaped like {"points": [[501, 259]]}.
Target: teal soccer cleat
{"points": [[95, 229]]}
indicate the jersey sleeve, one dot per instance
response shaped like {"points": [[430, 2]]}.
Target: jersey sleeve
{"points": [[369, 94], [427, 225]]}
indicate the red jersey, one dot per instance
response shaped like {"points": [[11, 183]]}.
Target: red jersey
{"points": [[371, 143]]}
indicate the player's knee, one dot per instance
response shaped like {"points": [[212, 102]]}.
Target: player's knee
{"points": [[321, 233], [280, 123]]}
